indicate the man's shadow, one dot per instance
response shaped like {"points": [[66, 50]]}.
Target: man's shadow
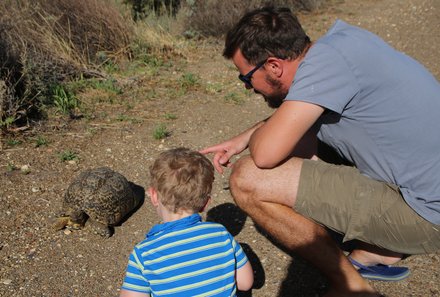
{"points": [[230, 216], [303, 279]]}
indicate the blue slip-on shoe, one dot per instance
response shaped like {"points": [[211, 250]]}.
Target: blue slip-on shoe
{"points": [[381, 272]]}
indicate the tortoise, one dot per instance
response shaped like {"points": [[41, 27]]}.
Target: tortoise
{"points": [[100, 196]]}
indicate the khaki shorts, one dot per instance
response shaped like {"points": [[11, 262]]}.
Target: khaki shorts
{"points": [[342, 199]]}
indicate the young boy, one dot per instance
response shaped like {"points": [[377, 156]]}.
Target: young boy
{"points": [[184, 256]]}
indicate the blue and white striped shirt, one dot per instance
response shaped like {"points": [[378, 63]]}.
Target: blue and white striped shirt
{"points": [[187, 257]]}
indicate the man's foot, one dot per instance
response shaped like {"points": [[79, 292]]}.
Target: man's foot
{"points": [[381, 272], [370, 255]]}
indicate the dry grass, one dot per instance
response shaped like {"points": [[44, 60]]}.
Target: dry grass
{"points": [[156, 41], [46, 42], [216, 17]]}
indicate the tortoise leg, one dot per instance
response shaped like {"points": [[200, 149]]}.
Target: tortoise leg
{"points": [[72, 218], [60, 223], [77, 219], [100, 228]]}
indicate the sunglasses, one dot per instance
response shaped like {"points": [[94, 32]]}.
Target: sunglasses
{"points": [[247, 77]]}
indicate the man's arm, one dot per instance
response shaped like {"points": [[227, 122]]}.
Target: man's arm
{"points": [[274, 141]]}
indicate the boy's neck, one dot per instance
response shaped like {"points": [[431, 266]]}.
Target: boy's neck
{"points": [[168, 216]]}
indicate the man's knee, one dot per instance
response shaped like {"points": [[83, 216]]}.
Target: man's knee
{"points": [[241, 181]]}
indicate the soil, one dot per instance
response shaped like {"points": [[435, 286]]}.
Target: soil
{"points": [[38, 261]]}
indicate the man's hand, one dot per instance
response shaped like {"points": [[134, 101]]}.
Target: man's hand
{"points": [[224, 151]]}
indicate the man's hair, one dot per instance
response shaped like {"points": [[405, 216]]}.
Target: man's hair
{"points": [[264, 32], [183, 179]]}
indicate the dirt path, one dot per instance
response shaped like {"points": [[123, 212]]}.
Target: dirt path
{"points": [[35, 261]]}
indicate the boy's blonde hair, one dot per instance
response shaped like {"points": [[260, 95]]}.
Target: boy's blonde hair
{"points": [[183, 179]]}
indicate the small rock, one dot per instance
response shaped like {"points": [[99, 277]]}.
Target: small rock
{"points": [[35, 189], [67, 232], [25, 168], [6, 281], [71, 162]]}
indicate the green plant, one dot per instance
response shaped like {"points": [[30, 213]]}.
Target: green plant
{"points": [[233, 98], [68, 155], [161, 132], [122, 117], [170, 116], [65, 101], [126, 118], [214, 88], [111, 66], [188, 81], [109, 85], [10, 167], [13, 142], [7, 122], [41, 141]]}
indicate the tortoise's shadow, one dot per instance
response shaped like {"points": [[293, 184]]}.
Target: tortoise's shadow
{"points": [[139, 193]]}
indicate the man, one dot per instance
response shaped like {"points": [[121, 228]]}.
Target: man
{"points": [[376, 107]]}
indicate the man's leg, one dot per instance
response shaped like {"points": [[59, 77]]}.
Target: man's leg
{"points": [[268, 196]]}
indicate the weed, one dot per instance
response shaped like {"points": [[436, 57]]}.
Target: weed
{"points": [[68, 155], [170, 116], [161, 132], [213, 88], [10, 167], [111, 67], [7, 122], [13, 142], [122, 118], [65, 101], [188, 81], [109, 85], [41, 141], [126, 118], [233, 98]]}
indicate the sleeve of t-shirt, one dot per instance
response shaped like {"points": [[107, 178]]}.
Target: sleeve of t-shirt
{"points": [[134, 279], [324, 78], [240, 256]]}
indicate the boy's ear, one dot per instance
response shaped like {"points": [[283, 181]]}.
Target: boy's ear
{"points": [[153, 196], [206, 205]]}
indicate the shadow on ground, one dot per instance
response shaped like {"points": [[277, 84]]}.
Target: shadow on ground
{"points": [[302, 279]]}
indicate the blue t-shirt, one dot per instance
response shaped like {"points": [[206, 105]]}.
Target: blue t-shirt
{"points": [[384, 111], [186, 257]]}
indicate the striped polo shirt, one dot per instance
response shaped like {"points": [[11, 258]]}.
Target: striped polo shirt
{"points": [[186, 257]]}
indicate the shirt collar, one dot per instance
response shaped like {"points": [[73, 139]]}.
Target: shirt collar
{"points": [[175, 225]]}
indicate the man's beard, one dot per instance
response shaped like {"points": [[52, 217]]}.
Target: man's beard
{"points": [[278, 95]]}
